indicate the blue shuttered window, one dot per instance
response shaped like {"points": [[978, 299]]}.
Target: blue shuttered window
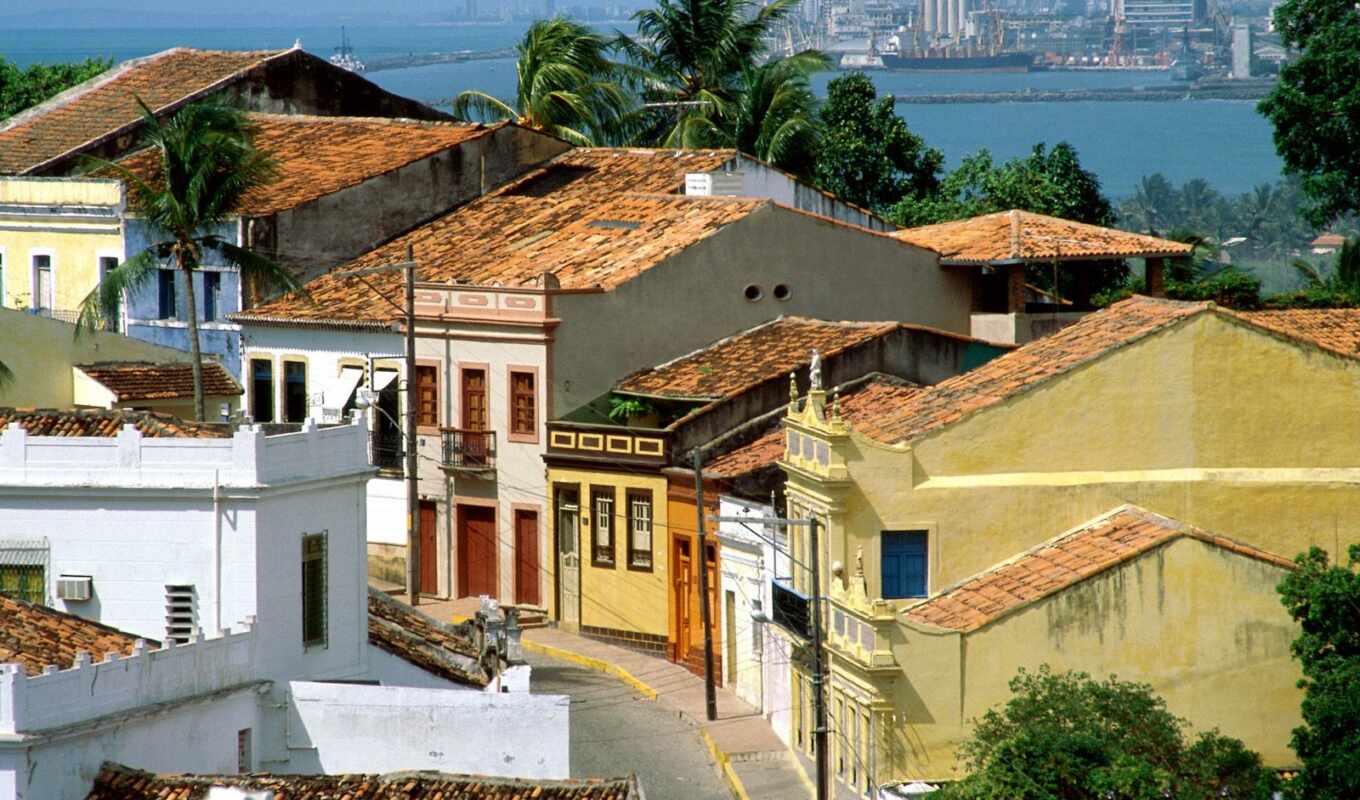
{"points": [[904, 564]]}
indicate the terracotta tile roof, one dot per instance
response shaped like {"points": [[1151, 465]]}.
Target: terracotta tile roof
{"points": [[1012, 373], [862, 402], [1011, 236], [317, 156], [107, 104], [38, 636], [511, 240], [86, 422], [1105, 542], [444, 650], [729, 366], [116, 782], [1336, 330], [144, 380]]}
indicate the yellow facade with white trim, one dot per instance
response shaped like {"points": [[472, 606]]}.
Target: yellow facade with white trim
{"points": [[1209, 421], [72, 221]]}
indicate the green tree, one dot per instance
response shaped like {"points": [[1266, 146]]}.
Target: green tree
{"points": [[868, 155], [565, 85], [1325, 601], [206, 162], [1315, 106], [774, 117], [1154, 206], [25, 88], [687, 64], [1064, 736], [1046, 181]]}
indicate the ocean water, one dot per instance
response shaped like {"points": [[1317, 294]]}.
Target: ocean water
{"points": [[1226, 143]]}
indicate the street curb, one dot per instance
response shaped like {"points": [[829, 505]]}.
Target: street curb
{"points": [[592, 663], [725, 766], [802, 773]]}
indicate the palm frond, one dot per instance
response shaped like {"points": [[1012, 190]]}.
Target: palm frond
{"points": [[474, 105]]}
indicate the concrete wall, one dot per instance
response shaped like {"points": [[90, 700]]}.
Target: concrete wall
{"points": [[377, 729], [1193, 620], [696, 297], [343, 225], [72, 221], [762, 180], [42, 366]]}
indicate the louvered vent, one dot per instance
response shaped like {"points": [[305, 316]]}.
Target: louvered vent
{"points": [[181, 612]]}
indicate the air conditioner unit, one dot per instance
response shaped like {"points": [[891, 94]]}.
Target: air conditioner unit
{"points": [[75, 588]]}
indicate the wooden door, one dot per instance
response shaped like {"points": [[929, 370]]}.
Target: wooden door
{"points": [[568, 556], [429, 548], [476, 551], [685, 610], [474, 400], [526, 558]]}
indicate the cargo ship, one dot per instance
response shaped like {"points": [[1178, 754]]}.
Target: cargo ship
{"points": [[948, 62]]}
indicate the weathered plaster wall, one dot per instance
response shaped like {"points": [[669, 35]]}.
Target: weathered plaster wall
{"points": [[1199, 623], [384, 729], [696, 297]]}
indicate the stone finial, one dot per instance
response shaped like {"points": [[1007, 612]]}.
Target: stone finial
{"points": [[836, 406], [815, 371], [793, 392], [859, 561]]}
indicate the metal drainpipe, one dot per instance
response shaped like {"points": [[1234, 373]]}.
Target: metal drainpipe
{"points": [[217, 555]]}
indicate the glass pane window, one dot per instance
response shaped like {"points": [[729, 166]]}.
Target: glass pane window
{"points": [[427, 396], [212, 289], [165, 294], [602, 503], [23, 582], [904, 564], [640, 531]]}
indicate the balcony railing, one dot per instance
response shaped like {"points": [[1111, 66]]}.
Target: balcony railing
{"points": [[384, 450], [471, 451]]}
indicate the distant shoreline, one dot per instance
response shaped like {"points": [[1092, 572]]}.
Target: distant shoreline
{"points": [[1235, 90]]}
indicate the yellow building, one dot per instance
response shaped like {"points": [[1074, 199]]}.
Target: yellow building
{"points": [[57, 237], [1242, 424]]}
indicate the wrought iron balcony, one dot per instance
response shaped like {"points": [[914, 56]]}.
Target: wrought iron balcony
{"points": [[469, 451], [385, 450]]}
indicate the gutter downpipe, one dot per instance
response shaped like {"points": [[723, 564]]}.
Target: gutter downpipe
{"points": [[217, 555]]}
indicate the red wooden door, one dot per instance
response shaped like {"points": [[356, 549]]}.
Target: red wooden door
{"points": [[429, 548], [476, 551], [526, 557], [683, 605]]}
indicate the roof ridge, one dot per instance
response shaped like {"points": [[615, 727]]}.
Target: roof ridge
{"points": [[424, 123], [80, 89]]}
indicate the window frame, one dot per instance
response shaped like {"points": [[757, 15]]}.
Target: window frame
{"points": [[33, 255], [161, 276], [600, 493], [512, 433], [19, 570], [286, 361], [211, 299], [634, 495], [117, 257], [251, 360], [322, 637], [460, 396], [925, 536], [413, 395]]}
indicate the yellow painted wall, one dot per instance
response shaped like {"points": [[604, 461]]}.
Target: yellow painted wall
{"points": [[617, 598], [75, 243], [40, 353], [1210, 423], [1159, 619]]}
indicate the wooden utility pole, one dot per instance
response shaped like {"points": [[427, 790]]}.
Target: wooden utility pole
{"points": [[818, 669], [710, 691]]}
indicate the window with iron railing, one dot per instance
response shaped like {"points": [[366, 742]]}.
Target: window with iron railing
{"points": [[464, 449]]}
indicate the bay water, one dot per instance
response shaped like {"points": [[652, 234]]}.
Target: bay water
{"points": [[1225, 142]]}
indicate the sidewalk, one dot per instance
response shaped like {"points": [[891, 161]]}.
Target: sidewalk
{"points": [[754, 761]]}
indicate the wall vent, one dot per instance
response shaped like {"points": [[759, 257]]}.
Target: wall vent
{"points": [[181, 612]]}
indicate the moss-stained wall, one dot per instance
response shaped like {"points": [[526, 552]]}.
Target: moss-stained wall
{"points": [[1201, 624]]}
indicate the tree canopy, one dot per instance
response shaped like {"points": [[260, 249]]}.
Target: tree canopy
{"points": [[868, 155], [24, 88], [1325, 601], [1315, 107], [1069, 737]]}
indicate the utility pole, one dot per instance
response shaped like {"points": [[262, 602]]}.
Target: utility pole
{"points": [[408, 311], [818, 669], [412, 457], [710, 692]]}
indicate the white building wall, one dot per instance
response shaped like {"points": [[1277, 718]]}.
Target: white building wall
{"points": [[385, 729], [746, 564]]}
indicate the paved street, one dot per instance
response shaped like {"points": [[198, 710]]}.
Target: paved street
{"points": [[614, 731]]}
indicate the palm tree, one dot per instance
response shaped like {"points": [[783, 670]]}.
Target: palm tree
{"points": [[1344, 277], [565, 86], [775, 116], [206, 162], [688, 60]]}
